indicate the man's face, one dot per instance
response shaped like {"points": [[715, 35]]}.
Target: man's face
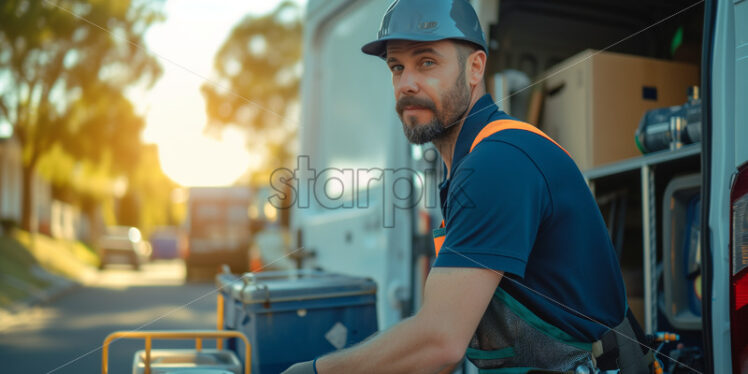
{"points": [[430, 87]]}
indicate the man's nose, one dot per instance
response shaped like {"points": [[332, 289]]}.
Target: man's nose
{"points": [[408, 83]]}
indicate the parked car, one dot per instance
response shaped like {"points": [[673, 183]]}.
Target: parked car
{"points": [[168, 243], [123, 244]]}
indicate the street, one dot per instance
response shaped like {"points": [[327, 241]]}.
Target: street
{"points": [[66, 335]]}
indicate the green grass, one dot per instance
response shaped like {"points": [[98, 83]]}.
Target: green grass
{"points": [[62, 257], [13, 251], [16, 261], [21, 251]]}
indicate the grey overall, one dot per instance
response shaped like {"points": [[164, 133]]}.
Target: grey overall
{"points": [[512, 339]]}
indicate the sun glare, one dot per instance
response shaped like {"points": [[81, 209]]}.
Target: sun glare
{"points": [[202, 161], [175, 107]]}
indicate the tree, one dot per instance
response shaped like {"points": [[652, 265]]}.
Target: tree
{"points": [[148, 202], [259, 69], [62, 78]]}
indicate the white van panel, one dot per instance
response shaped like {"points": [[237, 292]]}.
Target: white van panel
{"points": [[349, 124], [741, 79], [729, 139]]}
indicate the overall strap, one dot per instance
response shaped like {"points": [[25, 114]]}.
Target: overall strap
{"points": [[490, 129], [508, 124]]}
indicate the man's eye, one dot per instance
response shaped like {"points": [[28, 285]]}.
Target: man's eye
{"points": [[428, 63], [396, 68]]}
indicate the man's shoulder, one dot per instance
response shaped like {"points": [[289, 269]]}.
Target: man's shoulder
{"points": [[497, 165], [496, 149], [533, 144]]}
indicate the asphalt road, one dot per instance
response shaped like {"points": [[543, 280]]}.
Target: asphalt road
{"points": [[65, 336]]}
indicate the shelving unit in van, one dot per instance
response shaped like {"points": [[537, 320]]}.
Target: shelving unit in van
{"points": [[637, 184]]}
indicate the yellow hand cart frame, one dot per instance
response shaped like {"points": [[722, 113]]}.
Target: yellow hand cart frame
{"points": [[198, 335]]}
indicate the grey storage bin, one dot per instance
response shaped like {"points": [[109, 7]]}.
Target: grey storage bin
{"points": [[681, 252], [199, 371], [171, 361]]}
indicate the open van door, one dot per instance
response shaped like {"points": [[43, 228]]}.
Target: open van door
{"points": [[349, 215], [725, 162]]}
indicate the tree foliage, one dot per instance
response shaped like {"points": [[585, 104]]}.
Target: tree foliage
{"points": [[148, 202], [64, 68], [259, 69]]}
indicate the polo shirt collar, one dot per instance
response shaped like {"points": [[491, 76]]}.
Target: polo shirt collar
{"points": [[478, 118]]}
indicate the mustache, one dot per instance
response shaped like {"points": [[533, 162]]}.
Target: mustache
{"points": [[414, 101]]}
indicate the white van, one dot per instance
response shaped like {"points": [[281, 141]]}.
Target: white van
{"points": [[357, 212]]}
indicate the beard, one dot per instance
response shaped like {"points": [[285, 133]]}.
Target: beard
{"points": [[455, 102]]}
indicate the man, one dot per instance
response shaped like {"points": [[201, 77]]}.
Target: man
{"points": [[525, 275]]}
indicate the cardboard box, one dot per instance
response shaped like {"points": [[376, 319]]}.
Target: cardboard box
{"points": [[633, 278], [594, 102], [636, 304]]}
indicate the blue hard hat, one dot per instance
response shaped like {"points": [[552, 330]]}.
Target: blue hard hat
{"points": [[427, 21]]}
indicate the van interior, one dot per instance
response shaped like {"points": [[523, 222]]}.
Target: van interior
{"points": [[652, 208]]}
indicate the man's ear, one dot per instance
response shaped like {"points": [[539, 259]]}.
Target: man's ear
{"points": [[476, 67]]}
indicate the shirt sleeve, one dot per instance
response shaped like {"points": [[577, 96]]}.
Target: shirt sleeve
{"points": [[497, 200]]}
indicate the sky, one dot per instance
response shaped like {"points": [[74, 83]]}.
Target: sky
{"points": [[185, 45]]}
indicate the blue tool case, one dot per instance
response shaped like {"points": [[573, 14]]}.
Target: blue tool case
{"points": [[293, 316]]}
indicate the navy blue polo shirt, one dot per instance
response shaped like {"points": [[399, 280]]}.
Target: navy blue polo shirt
{"points": [[518, 203]]}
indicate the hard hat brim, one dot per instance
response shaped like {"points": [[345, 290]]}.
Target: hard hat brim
{"points": [[376, 48]]}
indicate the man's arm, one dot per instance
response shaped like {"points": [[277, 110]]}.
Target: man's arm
{"points": [[455, 299]]}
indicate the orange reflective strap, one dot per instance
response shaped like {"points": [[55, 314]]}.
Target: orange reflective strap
{"points": [[439, 235], [438, 241], [508, 124]]}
